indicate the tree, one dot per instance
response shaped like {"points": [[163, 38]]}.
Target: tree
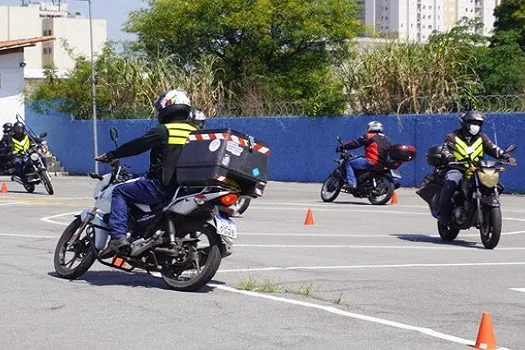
{"points": [[283, 47], [510, 16]]}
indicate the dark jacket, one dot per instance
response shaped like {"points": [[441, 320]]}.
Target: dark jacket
{"points": [[164, 153], [376, 147]]}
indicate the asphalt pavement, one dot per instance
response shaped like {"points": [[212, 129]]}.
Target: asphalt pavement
{"points": [[361, 277]]}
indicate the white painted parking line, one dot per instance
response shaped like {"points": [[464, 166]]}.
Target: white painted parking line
{"points": [[393, 266], [521, 290], [26, 236], [49, 219], [6, 204], [337, 246], [342, 235], [336, 311]]}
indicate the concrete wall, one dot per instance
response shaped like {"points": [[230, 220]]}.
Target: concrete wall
{"points": [[302, 148], [11, 84]]}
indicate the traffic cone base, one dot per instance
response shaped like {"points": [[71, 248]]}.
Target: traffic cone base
{"points": [[394, 199], [486, 339], [4, 188], [309, 218]]}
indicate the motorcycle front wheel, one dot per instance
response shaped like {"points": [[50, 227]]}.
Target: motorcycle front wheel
{"points": [[330, 189], [446, 233], [383, 191], [68, 254], [200, 263], [46, 180], [490, 231]]}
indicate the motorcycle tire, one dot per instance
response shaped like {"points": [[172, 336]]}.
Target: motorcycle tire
{"points": [[88, 258], [212, 263], [330, 189], [241, 205], [387, 188], [490, 231], [446, 233], [30, 188], [46, 180]]}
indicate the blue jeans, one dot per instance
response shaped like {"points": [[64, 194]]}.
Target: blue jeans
{"points": [[360, 163], [452, 180], [142, 191]]}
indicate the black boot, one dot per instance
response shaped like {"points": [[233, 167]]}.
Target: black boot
{"points": [[119, 245]]}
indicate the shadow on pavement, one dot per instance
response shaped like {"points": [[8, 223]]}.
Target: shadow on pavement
{"points": [[423, 238], [120, 278]]}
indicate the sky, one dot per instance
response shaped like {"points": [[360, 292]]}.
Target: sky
{"points": [[114, 11]]}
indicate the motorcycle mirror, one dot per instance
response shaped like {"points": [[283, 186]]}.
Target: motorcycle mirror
{"points": [[339, 139], [42, 135], [113, 133], [510, 149]]}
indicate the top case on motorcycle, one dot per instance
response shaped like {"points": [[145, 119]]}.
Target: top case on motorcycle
{"points": [[224, 157]]}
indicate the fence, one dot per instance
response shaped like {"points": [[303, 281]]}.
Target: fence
{"points": [[302, 148]]}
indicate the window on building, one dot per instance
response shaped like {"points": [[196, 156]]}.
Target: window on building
{"points": [[430, 26], [386, 17], [50, 50], [49, 32], [45, 50]]}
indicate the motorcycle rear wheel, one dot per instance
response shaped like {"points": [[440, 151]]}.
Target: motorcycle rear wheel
{"points": [[210, 257], [446, 233], [490, 231], [81, 248], [386, 189], [330, 189]]}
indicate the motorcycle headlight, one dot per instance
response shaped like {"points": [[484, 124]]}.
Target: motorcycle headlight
{"points": [[489, 177], [35, 157]]}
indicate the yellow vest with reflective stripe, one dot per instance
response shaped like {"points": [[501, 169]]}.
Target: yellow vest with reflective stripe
{"points": [[473, 152], [21, 146], [178, 132]]}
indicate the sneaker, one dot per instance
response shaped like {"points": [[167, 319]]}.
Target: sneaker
{"points": [[119, 245]]}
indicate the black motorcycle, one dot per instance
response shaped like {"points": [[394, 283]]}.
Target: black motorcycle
{"points": [[476, 201], [377, 184], [34, 169]]}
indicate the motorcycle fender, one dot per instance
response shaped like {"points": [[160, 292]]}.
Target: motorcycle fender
{"points": [[100, 227], [491, 202]]}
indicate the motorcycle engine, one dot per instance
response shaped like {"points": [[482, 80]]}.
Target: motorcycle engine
{"points": [[460, 215]]}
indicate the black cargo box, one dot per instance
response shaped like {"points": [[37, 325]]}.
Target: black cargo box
{"points": [[435, 157], [224, 157]]}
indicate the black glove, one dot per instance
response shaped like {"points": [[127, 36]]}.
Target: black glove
{"points": [[507, 157], [339, 149]]}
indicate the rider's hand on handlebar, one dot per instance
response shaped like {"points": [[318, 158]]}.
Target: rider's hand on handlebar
{"points": [[105, 158], [511, 160], [339, 149]]}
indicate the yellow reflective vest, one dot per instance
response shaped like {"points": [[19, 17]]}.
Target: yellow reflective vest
{"points": [[21, 146], [178, 132]]}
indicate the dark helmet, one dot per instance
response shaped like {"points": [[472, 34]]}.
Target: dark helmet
{"points": [[472, 121], [8, 127], [173, 105], [19, 128]]}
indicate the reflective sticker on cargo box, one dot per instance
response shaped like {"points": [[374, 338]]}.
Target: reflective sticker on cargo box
{"points": [[226, 160], [256, 172], [234, 148], [214, 145]]}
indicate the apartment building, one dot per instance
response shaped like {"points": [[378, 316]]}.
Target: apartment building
{"points": [[37, 18], [415, 20]]}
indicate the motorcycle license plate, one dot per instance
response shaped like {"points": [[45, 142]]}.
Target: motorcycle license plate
{"points": [[226, 227], [395, 174]]}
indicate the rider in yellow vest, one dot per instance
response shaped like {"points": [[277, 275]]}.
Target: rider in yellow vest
{"points": [[165, 141], [464, 143], [20, 143]]}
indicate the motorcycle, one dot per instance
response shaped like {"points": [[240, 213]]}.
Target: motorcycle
{"points": [[476, 200], [183, 240], [377, 184], [34, 169]]}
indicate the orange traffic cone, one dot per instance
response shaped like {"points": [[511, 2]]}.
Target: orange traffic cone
{"points": [[4, 188], [486, 339], [309, 218], [394, 199]]}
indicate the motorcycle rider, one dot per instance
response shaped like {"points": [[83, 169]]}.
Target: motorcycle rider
{"points": [[6, 147], [21, 143], [466, 142], [376, 151], [177, 121]]}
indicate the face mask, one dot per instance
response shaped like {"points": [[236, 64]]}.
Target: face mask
{"points": [[474, 129]]}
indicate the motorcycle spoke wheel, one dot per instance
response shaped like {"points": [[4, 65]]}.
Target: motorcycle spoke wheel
{"points": [[382, 193], [199, 264], [330, 189]]}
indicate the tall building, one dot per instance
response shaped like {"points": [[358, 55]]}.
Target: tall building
{"points": [[415, 20], [38, 18]]}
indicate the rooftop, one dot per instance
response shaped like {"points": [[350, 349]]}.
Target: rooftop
{"points": [[21, 43]]}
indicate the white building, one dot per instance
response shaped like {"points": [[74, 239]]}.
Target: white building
{"points": [[35, 18], [415, 20], [12, 76]]}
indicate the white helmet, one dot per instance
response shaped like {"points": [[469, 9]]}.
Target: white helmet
{"points": [[374, 126], [198, 118], [173, 105]]}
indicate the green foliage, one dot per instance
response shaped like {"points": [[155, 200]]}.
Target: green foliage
{"points": [[510, 16], [283, 49]]}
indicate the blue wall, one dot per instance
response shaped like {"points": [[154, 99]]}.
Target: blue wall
{"points": [[302, 148]]}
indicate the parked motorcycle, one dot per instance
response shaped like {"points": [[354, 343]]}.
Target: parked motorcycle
{"points": [[377, 184], [34, 170], [184, 240], [476, 200]]}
